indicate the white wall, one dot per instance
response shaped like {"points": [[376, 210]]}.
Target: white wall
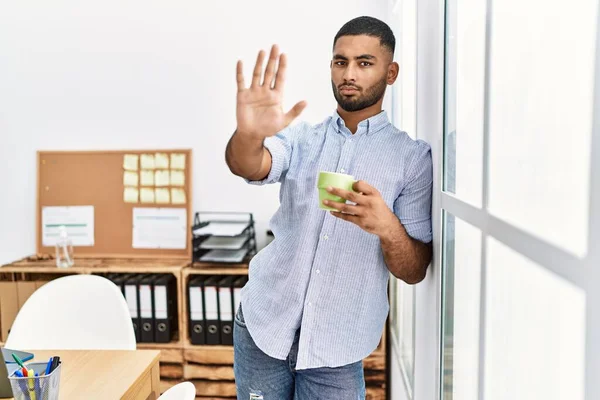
{"points": [[148, 74]]}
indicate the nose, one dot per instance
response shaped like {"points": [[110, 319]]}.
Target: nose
{"points": [[350, 73]]}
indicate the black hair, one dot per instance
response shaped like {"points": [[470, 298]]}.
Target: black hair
{"points": [[371, 27]]}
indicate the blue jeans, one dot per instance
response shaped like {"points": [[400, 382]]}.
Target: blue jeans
{"points": [[256, 372]]}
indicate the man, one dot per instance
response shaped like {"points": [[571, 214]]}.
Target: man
{"points": [[316, 301]]}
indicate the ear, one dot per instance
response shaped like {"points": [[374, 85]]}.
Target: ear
{"points": [[392, 74]]}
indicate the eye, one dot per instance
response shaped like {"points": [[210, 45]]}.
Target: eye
{"points": [[365, 64], [340, 63]]}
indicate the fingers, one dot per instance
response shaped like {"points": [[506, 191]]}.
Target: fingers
{"points": [[344, 207], [346, 194], [270, 71], [256, 75], [240, 76], [346, 217], [295, 112], [280, 76], [364, 187]]}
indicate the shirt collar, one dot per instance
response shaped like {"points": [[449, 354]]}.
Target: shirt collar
{"points": [[367, 126]]}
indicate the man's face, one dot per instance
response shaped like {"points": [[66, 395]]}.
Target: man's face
{"points": [[359, 71]]}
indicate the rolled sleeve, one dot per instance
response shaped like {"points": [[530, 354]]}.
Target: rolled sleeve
{"points": [[413, 206], [280, 147]]}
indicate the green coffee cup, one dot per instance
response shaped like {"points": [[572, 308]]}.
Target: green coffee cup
{"points": [[336, 180]]}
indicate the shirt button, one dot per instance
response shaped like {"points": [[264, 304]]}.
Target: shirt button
{"points": [[342, 170], [309, 303], [318, 271], [325, 237]]}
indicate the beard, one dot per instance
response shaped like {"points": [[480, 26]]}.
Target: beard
{"points": [[359, 102]]}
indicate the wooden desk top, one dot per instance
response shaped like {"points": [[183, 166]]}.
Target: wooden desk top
{"points": [[101, 374]]}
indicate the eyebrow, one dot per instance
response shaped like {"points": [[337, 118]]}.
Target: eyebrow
{"points": [[361, 57]]}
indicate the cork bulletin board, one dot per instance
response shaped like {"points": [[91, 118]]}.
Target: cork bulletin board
{"points": [[120, 196]]}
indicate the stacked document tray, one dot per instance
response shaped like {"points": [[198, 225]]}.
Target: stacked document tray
{"points": [[223, 237]]}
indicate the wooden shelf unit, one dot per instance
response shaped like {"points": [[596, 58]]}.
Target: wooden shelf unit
{"points": [[209, 368], [171, 356], [197, 268]]}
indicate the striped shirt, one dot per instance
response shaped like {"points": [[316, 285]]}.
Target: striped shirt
{"points": [[322, 275]]}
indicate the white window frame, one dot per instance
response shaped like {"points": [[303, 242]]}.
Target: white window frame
{"points": [[584, 273]]}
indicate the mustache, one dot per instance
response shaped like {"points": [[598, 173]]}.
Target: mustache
{"points": [[347, 86]]}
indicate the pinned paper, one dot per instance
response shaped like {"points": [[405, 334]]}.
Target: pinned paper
{"points": [[161, 160], [161, 195], [130, 195], [146, 195], [78, 220], [130, 178], [147, 161], [159, 228], [178, 161], [147, 178], [177, 196], [130, 162], [177, 178], [161, 178]]}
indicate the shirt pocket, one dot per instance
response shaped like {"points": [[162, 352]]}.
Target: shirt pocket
{"points": [[387, 183]]}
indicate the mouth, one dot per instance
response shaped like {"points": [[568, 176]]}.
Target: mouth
{"points": [[347, 90]]}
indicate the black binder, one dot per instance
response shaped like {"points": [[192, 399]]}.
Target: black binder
{"points": [[196, 317], [119, 280], [226, 310], [132, 296], [211, 311], [110, 277], [238, 284], [146, 296], [165, 307]]}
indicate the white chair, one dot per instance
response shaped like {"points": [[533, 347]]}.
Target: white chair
{"points": [[181, 391], [78, 312]]}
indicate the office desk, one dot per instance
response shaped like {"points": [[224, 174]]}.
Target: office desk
{"points": [[106, 374]]}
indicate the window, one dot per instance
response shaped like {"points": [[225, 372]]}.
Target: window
{"points": [[465, 66], [402, 320], [535, 326], [515, 201], [540, 117], [461, 284]]}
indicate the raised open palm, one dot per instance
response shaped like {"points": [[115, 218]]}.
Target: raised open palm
{"points": [[259, 107]]}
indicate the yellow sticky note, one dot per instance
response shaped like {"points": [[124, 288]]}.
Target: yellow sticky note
{"points": [[177, 161], [130, 162], [161, 178], [130, 178], [147, 195], [177, 196], [161, 160], [147, 178], [161, 195], [147, 161], [177, 178], [130, 195]]}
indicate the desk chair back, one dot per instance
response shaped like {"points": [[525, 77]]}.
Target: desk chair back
{"points": [[78, 312], [181, 391]]}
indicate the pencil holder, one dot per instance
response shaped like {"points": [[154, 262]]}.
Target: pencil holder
{"points": [[41, 387]]}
